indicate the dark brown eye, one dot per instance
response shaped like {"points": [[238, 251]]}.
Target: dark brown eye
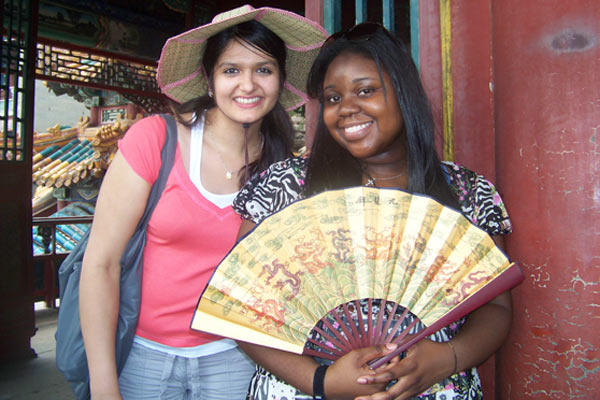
{"points": [[332, 99]]}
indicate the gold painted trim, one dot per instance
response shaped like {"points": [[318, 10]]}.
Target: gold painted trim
{"points": [[447, 86]]}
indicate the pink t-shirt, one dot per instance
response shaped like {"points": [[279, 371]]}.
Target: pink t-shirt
{"points": [[187, 237]]}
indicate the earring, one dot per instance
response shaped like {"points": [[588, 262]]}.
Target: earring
{"points": [[210, 93]]}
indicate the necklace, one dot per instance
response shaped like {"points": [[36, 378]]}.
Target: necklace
{"points": [[228, 173], [371, 180]]}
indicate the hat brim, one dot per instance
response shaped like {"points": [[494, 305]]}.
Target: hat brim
{"points": [[180, 74]]}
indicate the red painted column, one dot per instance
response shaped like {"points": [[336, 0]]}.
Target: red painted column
{"points": [[472, 76], [472, 80], [473, 110], [430, 61], [547, 109]]}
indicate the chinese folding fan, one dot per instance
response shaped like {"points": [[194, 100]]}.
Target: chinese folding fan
{"points": [[357, 267]]}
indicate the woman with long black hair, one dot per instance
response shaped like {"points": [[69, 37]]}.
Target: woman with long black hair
{"points": [[375, 128]]}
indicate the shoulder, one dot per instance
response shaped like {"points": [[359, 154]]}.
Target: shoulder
{"points": [[147, 130], [271, 189], [149, 125], [478, 198], [142, 144]]}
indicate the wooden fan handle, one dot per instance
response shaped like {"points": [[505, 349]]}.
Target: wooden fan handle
{"points": [[505, 281]]}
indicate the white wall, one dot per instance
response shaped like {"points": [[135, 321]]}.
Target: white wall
{"points": [[50, 110]]}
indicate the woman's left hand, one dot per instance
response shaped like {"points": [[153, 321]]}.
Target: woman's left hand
{"points": [[426, 363]]}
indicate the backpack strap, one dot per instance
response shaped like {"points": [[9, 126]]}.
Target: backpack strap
{"points": [[167, 157]]}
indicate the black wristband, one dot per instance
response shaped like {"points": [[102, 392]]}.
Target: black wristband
{"points": [[319, 383]]}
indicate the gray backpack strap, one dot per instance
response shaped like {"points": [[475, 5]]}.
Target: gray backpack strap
{"points": [[167, 156]]}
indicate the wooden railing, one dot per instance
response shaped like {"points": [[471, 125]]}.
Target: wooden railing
{"points": [[51, 259]]}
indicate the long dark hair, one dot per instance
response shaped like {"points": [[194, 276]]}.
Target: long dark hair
{"points": [[330, 165], [276, 128]]}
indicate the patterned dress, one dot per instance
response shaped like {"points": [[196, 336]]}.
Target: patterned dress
{"points": [[282, 183]]}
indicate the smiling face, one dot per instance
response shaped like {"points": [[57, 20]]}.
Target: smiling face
{"points": [[246, 83], [357, 113]]}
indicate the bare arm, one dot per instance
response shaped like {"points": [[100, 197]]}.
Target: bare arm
{"points": [[121, 202], [428, 362], [341, 379], [296, 370]]}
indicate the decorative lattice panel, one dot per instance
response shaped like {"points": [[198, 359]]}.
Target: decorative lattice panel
{"points": [[134, 78], [14, 97]]}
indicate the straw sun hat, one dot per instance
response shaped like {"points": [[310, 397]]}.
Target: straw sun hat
{"points": [[180, 73]]}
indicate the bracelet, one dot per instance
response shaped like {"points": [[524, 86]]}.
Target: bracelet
{"points": [[455, 359], [319, 383]]}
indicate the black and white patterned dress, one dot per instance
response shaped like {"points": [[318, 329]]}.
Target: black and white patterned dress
{"points": [[282, 183]]}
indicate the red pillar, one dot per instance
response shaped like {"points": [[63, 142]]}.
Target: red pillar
{"points": [[430, 61], [547, 110], [472, 75], [472, 81], [473, 116]]}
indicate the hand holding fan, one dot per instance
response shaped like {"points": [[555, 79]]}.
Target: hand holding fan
{"points": [[360, 266]]}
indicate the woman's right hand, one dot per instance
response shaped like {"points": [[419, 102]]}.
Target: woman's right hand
{"points": [[426, 363], [341, 378]]}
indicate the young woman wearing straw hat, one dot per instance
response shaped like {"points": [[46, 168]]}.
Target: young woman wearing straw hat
{"points": [[232, 80]]}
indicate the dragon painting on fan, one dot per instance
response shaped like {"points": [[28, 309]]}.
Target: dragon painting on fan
{"points": [[368, 239], [428, 259]]}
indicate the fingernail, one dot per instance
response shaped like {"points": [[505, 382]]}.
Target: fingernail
{"points": [[362, 380], [391, 346]]}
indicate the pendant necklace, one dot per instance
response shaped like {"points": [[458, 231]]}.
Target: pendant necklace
{"points": [[371, 180], [228, 172]]}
